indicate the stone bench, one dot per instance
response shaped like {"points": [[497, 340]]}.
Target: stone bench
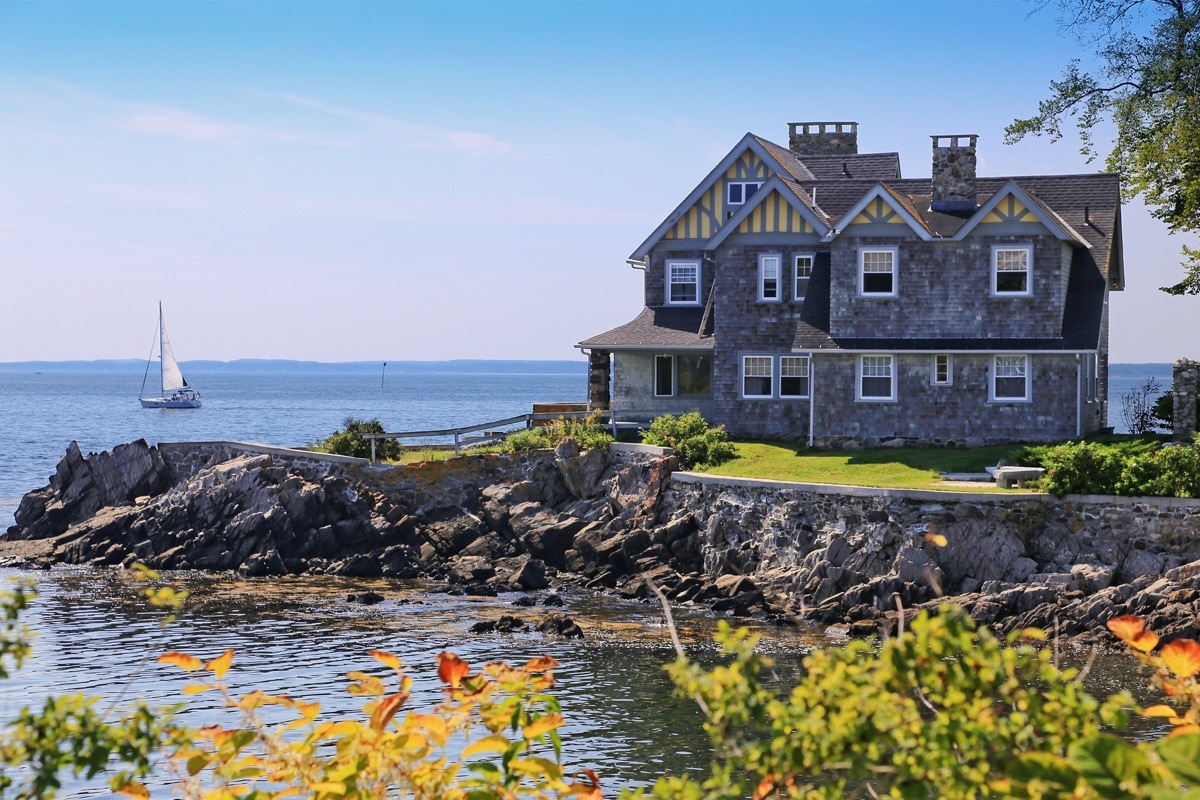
{"points": [[1012, 477]]}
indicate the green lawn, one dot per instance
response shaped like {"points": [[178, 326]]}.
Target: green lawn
{"points": [[905, 468]]}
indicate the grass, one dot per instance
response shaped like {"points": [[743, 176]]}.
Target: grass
{"points": [[906, 468]]}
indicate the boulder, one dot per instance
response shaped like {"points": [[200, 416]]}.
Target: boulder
{"points": [[531, 575], [560, 625]]}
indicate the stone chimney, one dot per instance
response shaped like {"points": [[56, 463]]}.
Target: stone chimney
{"points": [[954, 172], [823, 138]]}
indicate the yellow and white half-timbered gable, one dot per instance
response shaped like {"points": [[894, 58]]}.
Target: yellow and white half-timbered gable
{"points": [[882, 212], [727, 189], [780, 209], [1012, 210]]}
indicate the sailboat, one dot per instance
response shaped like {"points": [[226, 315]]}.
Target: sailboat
{"points": [[175, 390]]}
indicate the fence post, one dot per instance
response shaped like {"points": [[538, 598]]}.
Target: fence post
{"points": [[456, 443], [372, 451]]}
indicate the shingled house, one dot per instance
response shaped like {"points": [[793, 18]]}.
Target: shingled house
{"points": [[811, 293]]}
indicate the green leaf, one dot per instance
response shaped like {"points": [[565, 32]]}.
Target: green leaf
{"points": [[1181, 755], [1109, 764]]}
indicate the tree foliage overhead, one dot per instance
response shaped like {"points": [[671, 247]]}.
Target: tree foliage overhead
{"points": [[1147, 84]]}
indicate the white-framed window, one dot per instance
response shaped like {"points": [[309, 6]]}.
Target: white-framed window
{"points": [[1012, 270], [876, 378], [793, 376], [738, 192], [757, 374], [769, 267], [683, 282], [877, 271], [664, 376], [941, 370], [1010, 379], [804, 266]]}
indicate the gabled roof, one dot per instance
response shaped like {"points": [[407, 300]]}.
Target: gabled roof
{"points": [[747, 142], [791, 192], [901, 205], [658, 327], [1044, 213], [790, 161]]}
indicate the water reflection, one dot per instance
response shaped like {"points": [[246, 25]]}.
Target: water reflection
{"points": [[301, 636]]}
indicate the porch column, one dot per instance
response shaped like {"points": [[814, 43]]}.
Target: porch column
{"points": [[599, 376]]}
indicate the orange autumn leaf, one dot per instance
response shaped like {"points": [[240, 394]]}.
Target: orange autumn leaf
{"points": [[134, 790], [1158, 711], [540, 664], [589, 790], [385, 658], [220, 664], [451, 668], [1182, 657], [936, 539], [547, 723], [387, 709], [1145, 642], [1189, 728], [1127, 627], [765, 787], [181, 660]]}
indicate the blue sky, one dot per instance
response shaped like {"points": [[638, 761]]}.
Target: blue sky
{"points": [[350, 179]]}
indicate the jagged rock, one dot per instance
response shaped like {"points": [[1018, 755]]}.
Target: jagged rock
{"points": [[583, 473], [525, 601], [552, 599], [471, 569], [531, 575], [505, 624], [367, 598], [560, 625]]}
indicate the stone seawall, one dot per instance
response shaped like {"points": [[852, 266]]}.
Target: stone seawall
{"points": [[851, 553]]}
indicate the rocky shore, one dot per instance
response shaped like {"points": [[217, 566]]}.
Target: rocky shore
{"points": [[611, 521]]}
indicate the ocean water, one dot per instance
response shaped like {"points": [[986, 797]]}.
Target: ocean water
{"points": [[41, 412]]}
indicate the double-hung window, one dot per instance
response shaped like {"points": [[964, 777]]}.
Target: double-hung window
{"points": [[683, 282], [757, 373], [940, 371], [877, 271], [738, 192], [793, 376], [1010, 379], [768, 277], [804, 265], [876, 378], [1011, 270]]}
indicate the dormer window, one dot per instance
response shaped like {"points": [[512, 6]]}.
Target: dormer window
{"points": [[683, 282], [1011, 270], [738, 192]]}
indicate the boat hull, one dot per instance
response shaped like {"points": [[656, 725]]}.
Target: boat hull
{"points": [[169, 402]]}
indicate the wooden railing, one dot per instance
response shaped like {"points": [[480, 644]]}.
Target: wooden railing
{"points": [[526, 421]]}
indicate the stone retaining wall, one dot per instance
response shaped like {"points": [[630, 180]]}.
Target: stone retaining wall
{"points": [[757, 527]]}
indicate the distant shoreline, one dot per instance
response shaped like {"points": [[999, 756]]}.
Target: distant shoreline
{"points": [[268, 365]]}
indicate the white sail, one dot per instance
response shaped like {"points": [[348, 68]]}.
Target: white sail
{"points": [[172, 378]]}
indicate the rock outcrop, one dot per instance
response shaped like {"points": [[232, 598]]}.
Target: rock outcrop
{"points": [[488, 524]]}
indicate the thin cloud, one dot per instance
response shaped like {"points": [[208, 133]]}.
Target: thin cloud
{"points": [[415, 135], [198, 128]]}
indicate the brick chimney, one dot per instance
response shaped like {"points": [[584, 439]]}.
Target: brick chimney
{"points": [[954, 172], [823, 138]]}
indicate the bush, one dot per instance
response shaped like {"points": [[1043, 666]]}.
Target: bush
{"points": [[695, 442], [350, 442], [587, 433], [1081, 468], [1171, 471], [1164, 411]]}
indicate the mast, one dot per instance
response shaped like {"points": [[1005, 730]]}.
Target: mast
{"points": [[162, 351]]}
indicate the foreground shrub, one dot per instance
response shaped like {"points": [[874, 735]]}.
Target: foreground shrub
{"points": [[349, 441], [1170, 471], [587, 433], [1081, 468], [696, 443]]}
